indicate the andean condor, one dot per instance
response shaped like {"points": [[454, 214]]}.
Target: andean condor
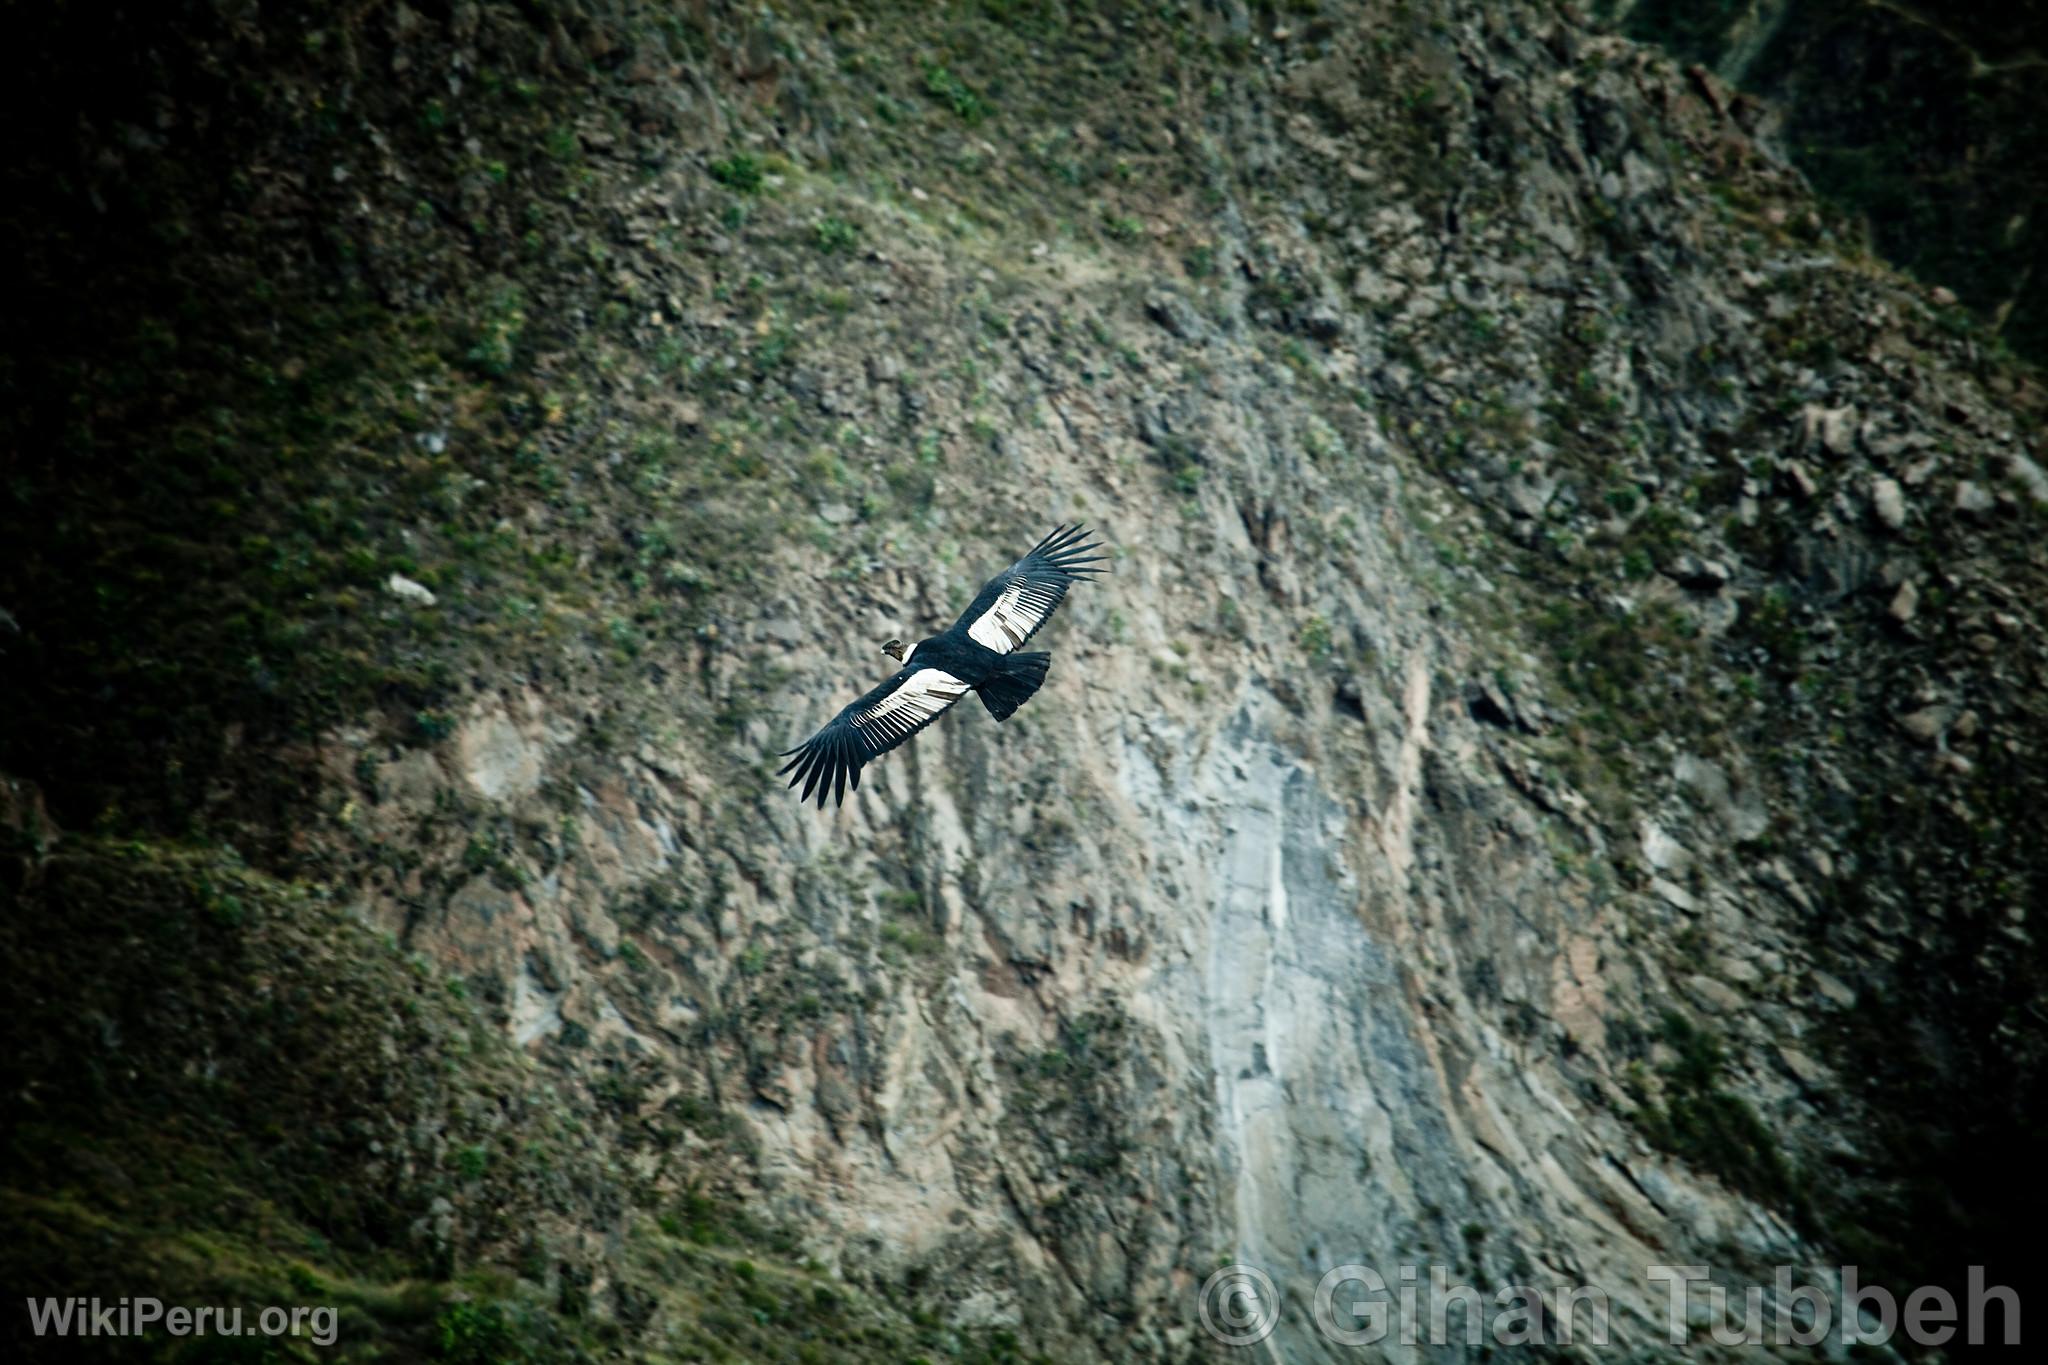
{"points": [[974, 655]]}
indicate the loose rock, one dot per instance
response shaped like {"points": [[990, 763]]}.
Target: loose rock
{"points": [[406, 590]]}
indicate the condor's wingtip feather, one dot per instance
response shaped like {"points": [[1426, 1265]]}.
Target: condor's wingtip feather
{"points": [[1062, 535], [1064, 551], [1076, 561]]}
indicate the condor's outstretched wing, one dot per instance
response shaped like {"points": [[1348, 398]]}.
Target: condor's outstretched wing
{"points": [[830, 761], [1016, 602]]}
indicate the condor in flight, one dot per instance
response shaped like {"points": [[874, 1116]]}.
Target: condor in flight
{"points": [[974, 655]]}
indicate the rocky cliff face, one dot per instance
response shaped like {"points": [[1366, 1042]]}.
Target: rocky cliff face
{"points": [[1920, 119], [1547, 789]]}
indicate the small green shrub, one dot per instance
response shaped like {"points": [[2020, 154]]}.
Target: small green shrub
{"points": [[836, 234], [1316, 638], [477, 1334], [1700, 1122], [949, 90], [739, 172], [1123, 227]]}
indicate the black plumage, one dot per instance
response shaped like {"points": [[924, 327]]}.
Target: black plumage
{"points": [[977, 653]]}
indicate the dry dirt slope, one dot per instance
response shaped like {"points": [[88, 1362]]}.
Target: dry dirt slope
{"points": [[1546, 789]]}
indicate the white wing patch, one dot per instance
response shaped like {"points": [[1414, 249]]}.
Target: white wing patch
{"points": [[923, 695], [1019, 610]]}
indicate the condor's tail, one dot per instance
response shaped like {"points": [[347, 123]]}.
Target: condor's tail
{"points": [[1017, 676]]}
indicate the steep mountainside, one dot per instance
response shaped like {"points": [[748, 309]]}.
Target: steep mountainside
{"points": [[1925, 120], [1549, 788]]}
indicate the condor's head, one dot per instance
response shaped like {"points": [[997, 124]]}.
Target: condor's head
{"points": [[894, 649]]}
